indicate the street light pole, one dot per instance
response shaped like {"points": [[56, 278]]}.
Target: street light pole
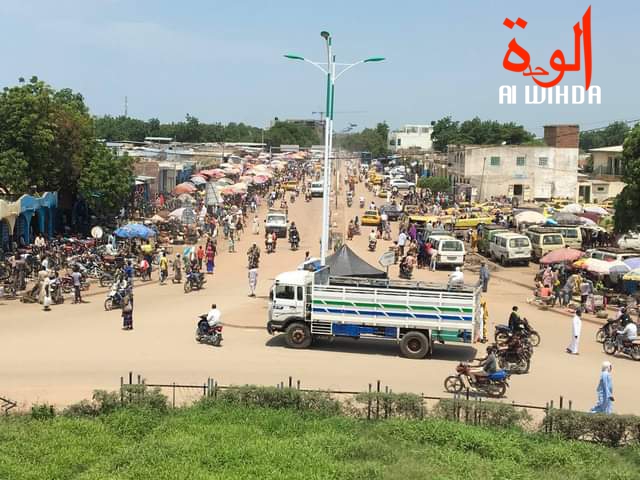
{"points": [[331, 75]]}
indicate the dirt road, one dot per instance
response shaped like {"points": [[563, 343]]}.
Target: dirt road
{"points": [[63, 355]]}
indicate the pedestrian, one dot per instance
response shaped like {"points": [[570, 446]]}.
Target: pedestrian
{"points": [[46, 288], [76, 278], [256, 225], [127, 311], [576, 326], [211, 255], [253, 281], [605, 390], [164, 268], [484, 276], [200, 256], [177, 269], [402, 240]]}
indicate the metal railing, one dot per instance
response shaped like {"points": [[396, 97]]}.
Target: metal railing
{"points": [[6, 405]]}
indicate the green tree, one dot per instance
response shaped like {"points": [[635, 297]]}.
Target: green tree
{"points": [[15, 171], [288, 133], [447, 131], [435, 184], [627, 203], [373, 140], [612, 134], [106, 181]]}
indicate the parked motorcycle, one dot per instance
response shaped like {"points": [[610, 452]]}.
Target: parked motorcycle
{"points": [[502, 333], [194, 281], [406, 272], [629, 348], [493, 385], [206, 334]]}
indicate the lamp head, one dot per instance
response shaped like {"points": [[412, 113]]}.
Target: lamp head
{"points": [[324, 34]]}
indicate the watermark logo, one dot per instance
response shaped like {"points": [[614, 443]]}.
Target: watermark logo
{"points": [[548, 91]]}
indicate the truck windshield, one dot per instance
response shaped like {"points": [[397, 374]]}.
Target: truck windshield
{"points": [[285, 292], [276, 220]]}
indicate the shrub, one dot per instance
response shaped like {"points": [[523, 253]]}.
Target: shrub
{"points": [[491, 414], [405, 405], [43, 411], [609, 429], [104, 403]]}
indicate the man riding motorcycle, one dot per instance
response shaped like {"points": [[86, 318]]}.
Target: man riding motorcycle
{"points": [[628, 334], [294, 235], [486, 366], [373, 240], [214, 316]]}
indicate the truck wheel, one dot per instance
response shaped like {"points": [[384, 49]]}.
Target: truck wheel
{"points": [[298, 335], [414, 345]]}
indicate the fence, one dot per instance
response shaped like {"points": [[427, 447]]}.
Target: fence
{"points": [[6, 405], [376, 406]]}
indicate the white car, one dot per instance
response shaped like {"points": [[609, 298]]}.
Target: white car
{"points": [[317, 189], [402, 184], [630, 240]]}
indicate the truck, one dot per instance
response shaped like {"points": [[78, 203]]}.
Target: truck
{"points": [[276, 221], [306, 306]]}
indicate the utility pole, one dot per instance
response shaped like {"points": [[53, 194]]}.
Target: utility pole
{"points": [[126, 106]]}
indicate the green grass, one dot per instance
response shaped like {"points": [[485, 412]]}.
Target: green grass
{"points": [[233, 442]]}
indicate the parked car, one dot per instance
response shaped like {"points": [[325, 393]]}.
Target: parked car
{"points": [[402, 184]]}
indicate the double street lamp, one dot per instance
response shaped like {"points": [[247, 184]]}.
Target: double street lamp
{"points": [[329, 69]]}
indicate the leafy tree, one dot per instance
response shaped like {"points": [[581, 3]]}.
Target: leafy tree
{"points": [[106, 181], [435, 184], [373, 140], [447, 131], [612, 134], [627, 204], [14, 168], [286, 133]]}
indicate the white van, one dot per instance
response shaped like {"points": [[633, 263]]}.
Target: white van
{"points": [[317, 189], [448, 250], [511, 248]]}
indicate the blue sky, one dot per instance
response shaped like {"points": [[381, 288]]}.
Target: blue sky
{"points": [[222, 61]]}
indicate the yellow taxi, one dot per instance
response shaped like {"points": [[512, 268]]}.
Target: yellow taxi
{"points": [[370, 218], [291, 185], [473, 222], [382, 193]]}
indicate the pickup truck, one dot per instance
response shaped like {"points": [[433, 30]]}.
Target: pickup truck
{"points": [[308, 305]]}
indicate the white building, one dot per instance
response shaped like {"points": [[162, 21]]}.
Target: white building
{"points": [[605, 182], [411, 136], [524, 172]]}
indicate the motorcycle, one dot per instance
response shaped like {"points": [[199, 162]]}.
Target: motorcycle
{"points": [[503, 332], [372, 245], [630, 348], [307, 196], [194, 281], [609, 329], [515, 358], [292, 198], [56, 293], [295, 242], [206, 334], [493, 385], [349, 201], [362, 203], [115, 298]]}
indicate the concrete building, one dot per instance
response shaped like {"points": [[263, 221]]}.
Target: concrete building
{"points": [[411, 136], [605, 181], [522, 172]]}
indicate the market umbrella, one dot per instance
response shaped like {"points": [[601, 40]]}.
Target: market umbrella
{"points": [[260, 179], [603, 267], [134, 230], [574, 208], [186, 187], [591, 216], [633, 263], [198, 180], [530, 217], [239, 187], [177, 213], [596, 209], [157, 219], [186, 198], [561, 255], [564, 217]]}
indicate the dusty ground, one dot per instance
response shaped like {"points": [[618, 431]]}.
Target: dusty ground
{"points": [[62, 355]]}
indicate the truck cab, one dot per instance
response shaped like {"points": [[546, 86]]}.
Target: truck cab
{"points": [[276, 221], [288, 298]]}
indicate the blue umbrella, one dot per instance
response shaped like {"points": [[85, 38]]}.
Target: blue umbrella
{"points": [[551, 221], [633, 263], [135, 230]]}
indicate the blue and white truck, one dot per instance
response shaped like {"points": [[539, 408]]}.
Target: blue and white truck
{"points": [[307, 305]]}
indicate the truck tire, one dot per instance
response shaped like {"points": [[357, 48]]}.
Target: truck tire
{"points": [[414, 345], [298, 335]]}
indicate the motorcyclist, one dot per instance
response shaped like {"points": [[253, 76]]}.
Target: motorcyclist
{"points": [[361, 202], [486, 366], [214, 316], [294, 235], [515, 321], [373, 238], [628, 334]]}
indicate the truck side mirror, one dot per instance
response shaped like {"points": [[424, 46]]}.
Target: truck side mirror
{"points": [[271, 294]]}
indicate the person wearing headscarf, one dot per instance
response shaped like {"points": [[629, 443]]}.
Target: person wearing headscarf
{"points": [[604, 390]]}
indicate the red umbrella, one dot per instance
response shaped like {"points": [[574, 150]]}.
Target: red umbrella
{"points": [[591, 216], [562, 255], [185, 187]]}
